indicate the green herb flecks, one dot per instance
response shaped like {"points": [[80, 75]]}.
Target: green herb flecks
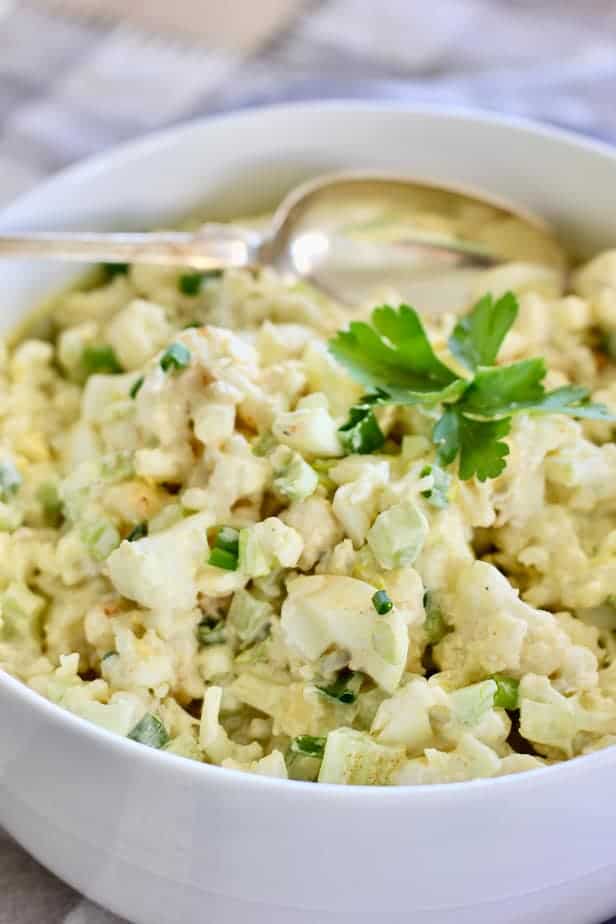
{"points": [[307, 746], [136, 387], [345, 687]]}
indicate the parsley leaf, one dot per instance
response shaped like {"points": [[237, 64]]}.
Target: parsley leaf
{"points": [[361, 432], [394, 355], [477, 337], [482, 452], [504, 390], [501, 390]]}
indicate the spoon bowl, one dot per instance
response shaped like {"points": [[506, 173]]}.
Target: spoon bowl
{"points": [[354, 235]]}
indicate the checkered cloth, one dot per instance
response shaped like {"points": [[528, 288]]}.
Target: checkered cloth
{"points": [[69, 88]]}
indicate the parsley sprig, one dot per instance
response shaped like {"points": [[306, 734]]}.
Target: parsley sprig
{"points": [[392, 356]]}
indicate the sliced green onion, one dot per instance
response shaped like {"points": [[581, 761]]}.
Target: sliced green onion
{"points": [[139, 531], [361, 433], [108, 654], [100, 359], [150, 731], [506, 696], [190, 283], [228, 539], [175, 358], [382, 602], [308, 746], [115, 269], [192, 324], [344, 689], [10, 479], [222, 559], [225, 552], [211, 631], [136, 387]]}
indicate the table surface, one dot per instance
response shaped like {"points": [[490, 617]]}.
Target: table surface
{"points": [[91, 84]]}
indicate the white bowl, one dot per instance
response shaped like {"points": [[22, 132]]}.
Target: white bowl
{"points": [[162, 840]]}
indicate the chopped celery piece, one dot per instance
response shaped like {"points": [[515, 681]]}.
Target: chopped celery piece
{"points": [[150, 731], [506, 695]]}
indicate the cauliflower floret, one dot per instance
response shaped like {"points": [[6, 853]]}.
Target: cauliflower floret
{"points": [[297, 709], [356, 501], [137, 332], [596, 276], [324, 610], [315, 522], [404, 720], [310, 429], [214, 740], [563, 725], [159, 571], [496, 631], [470, 759]]}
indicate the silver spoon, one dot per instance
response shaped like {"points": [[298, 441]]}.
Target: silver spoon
{"points": [[348, 234]]}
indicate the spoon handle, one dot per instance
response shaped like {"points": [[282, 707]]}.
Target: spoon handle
{"points": [[212, 246]]}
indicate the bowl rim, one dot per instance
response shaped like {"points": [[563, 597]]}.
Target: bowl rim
{"points": [[196, 771]]}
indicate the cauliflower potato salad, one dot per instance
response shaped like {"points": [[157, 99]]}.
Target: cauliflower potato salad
{"points": [[243, 526]]}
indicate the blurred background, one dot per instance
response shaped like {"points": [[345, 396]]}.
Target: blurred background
{"points": [[78, 76]]}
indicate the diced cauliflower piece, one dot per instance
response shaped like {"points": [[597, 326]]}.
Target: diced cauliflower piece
{"points": [[293, 477], [470, 760], [214, 740], [356, 501], [272, 764], [137, 332], [159, 571], [310, 429], [552, 721], [354, 758], [268, 545], [596, 276], [295, 708], [315, 522], [404, 719]]}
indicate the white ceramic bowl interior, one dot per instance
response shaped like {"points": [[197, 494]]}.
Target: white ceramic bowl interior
{"points": [[163, 840]]}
